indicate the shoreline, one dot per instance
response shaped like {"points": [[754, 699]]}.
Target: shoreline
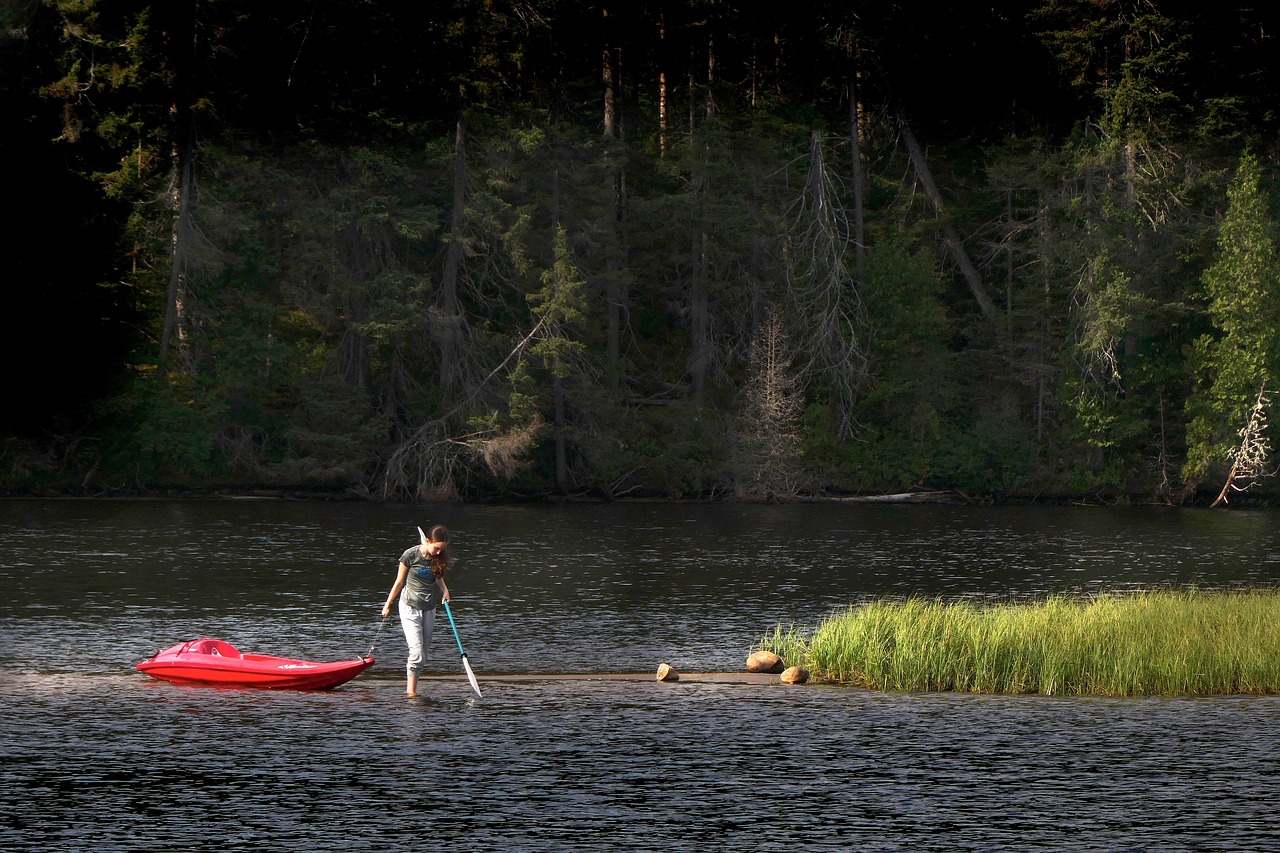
{"points": [[935, 497], [757, 678]]}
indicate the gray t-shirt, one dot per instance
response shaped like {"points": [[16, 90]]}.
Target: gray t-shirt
{"points": [[420, 588]]}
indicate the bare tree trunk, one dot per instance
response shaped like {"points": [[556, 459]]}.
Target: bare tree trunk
{"points": [[1130, 171], [1249, 460], [609, 72], [1130, 149], [449, 322], [693, 94], [699, 320], [855, 156], [1008, 266], [179, 243], [562, 459], [662, 87], [615, 296], [711, 61], [1044, 392], [184, 45], [954, 244], [771, 405], [448, 297], [615, 292], [699, 312]]}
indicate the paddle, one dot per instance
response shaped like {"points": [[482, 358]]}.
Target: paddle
{"points": [[471, 676]]}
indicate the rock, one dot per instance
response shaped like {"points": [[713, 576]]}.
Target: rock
{"points": [[794, 675], [764, 662], [666, 672]]}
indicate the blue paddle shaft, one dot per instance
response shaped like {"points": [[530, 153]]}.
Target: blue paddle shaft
{"points": [[471, 676], [452, 625]]}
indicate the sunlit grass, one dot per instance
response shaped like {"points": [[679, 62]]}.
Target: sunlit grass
{"points": [[1159, 642]]}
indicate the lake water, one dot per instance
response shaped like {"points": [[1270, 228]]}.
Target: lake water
{"points": [[96, 756]]}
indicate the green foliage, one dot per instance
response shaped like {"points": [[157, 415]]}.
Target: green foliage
{"points": [[677, 451], [157, 434], [1242, 355], [994, 456], [1142, 64], [909, 358], [335, 436], [560, 306], [915, 426], [1100, 417], [522, 405], [373, 238]]}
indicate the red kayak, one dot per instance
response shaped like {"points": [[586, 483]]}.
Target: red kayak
{"points": [[209, 661]]}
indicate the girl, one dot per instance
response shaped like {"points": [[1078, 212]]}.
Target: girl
{"points": [[421, 577]]}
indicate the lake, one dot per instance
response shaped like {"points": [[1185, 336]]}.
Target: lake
{"points": [[98, 756]]}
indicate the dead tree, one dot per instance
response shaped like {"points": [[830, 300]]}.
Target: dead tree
{"points": [[855, 159], [1249, 460], [829, 315], [427, 465], [955, 246], [773, 402]]}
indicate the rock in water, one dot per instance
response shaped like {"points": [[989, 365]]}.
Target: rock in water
{"points": [[666, 672], [794, 675], [764, 662]]}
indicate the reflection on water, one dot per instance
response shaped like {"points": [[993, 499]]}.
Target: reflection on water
{"points": [[98, 757]]}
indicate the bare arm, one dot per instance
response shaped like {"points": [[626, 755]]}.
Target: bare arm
{"points": [[395, 589], [444, 589]]}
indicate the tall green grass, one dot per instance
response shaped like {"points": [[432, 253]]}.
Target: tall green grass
{"points": [[1159, 642]]}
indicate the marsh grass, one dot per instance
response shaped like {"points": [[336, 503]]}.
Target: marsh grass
{"points": [[1158, 642]]}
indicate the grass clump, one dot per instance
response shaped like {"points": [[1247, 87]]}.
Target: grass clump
{"points": [[1161, 642]]}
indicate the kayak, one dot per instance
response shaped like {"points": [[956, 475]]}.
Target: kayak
{"points": [[215, 662]]}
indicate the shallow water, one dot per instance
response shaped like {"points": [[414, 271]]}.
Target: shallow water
{"points": [[97, 756]]}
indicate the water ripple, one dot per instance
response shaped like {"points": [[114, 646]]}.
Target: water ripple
{"points": [[97, 756]]}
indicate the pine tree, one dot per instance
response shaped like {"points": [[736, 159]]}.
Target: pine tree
{"points": [[1241, 357], [560, 306]]}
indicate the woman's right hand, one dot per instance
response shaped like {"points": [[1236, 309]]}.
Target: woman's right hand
{"points": [[386, 610]]}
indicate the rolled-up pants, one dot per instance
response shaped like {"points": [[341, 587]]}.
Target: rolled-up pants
{"points": [[417, 626]]}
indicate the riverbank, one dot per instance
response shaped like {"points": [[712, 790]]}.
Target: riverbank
{"points": [[348, 495], [1158, 642]]}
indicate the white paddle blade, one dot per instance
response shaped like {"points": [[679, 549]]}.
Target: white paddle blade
{"points": [[422, 536], [471, 676]]}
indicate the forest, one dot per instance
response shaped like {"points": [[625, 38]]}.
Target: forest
{"points": [[1017, 250]]}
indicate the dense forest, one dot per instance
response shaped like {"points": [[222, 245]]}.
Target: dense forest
{"points": [[465, 249]]}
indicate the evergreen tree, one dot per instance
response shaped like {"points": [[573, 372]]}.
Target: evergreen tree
{"points": [[329, 216], [1240, 359], [560, 306]]}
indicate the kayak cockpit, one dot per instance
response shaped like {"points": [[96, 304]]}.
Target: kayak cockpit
{"points": [[210, 646]]}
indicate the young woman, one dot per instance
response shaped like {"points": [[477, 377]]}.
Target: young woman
{"points": [[420, 585]]}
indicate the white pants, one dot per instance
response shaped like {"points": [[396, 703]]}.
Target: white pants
{"points": [[417, 626]]}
